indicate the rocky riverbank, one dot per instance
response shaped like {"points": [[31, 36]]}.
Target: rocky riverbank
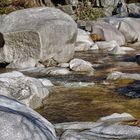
{"points": [[75, 74]]}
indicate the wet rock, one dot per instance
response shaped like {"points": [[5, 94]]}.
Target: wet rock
{"points": [[18, 122], [119, 75], [38, 33], [80, 65], [113, 131], [138, 59], [46, 71], [77, 84], [58, 71], [108, 32], [109, 128], [127, 64], [29, 91], [120, 50], [116, 117], [83, 41], [131, 91], [75, 125]]}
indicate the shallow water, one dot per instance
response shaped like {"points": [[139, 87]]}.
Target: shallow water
{"points": [[91, 103]]}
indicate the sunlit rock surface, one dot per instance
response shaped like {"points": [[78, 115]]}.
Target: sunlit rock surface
{"points": [[37, 33], [18, 122], [80, 65], [30, 91]]}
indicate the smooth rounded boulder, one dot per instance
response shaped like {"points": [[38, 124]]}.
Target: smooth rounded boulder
{"points": [[18, 122], [80, 65], [129, 27], [108, 32], [38, 33]]}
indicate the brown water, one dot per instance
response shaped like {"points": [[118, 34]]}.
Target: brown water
{"points": [[91, 103]]}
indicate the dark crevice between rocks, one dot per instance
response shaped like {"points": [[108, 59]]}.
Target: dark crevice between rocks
{"points": [[2, 41], [132, 91], [56, 2], [3, 64]]}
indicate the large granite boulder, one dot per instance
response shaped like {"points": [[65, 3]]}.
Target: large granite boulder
{"points": [[38, 33], [129, 27], [18, 122], [30, 91], [108, 32]]}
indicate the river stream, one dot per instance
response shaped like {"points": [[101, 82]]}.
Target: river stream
{"points": [[106, 97]]}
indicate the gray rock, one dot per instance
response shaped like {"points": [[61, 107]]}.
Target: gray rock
{"points": [[109, 6], [77, 84], [38, 33], [116, 117], [107, 129], [116, 75], [18, 122], [114, 131], [120, 50], [106, 3], [108, 32], [83, 41], [94, 47], [46, 71], [63, 65], [75, 125], [112, 47], [134, 9], [107, 45], [29, 91], [80, 65], [23, 63], [2, 18], [129, 27]]}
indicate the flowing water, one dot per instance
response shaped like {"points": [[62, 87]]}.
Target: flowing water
{"points": [[105, 98], [91, 103]]}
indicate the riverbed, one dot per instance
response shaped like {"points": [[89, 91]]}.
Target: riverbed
{"points": [[67, 104]]}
